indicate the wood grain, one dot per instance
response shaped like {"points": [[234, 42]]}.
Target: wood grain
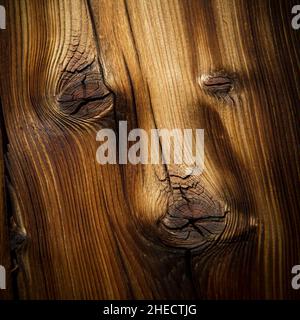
{"points": [[5, 256], [107, 231]]}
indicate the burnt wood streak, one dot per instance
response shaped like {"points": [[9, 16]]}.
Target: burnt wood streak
{"points": [[81, 230]]}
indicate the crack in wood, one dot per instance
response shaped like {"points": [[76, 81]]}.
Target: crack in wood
{"points": [[194, 218], [16, 232], [82, 92]]}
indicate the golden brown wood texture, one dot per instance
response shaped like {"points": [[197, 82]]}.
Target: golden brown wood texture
{"points": [[69, 68]]}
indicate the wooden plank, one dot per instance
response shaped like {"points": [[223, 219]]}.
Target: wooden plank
{"points": [[83, 240], [152, 231]]}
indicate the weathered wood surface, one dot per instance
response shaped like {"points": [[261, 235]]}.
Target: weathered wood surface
{"points": [[69, 68], [5, 256]]}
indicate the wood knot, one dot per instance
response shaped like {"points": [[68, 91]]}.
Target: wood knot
{"points": [[18, 237], [220, 85], [192, 224], [18, 242], [84, 95]]}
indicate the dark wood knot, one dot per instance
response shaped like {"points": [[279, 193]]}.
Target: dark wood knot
{"points": [[192, 224], [220, 84], [18, 238], [84, 95]]}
